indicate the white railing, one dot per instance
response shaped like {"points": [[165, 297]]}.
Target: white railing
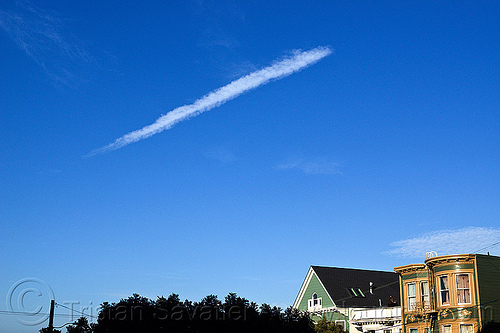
{"points": [[379, 313]]}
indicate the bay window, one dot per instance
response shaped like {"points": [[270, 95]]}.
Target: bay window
{"points": [[444, 289], [463, 288]]}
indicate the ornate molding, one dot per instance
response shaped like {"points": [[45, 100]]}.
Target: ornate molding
{"points": [[465, 313], [445, 313]]}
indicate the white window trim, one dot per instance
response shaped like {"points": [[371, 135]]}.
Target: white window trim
{"points": [[414, 297], [456, 283], [464, 325], [343, 323], [310, 303]]}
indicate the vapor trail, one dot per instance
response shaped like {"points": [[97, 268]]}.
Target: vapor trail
{"points": [[279, 70]]}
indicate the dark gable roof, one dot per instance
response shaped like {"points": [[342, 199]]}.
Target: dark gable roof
{"points": [[338, 281]]}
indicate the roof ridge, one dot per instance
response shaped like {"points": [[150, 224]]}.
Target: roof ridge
{"points": [[353, 269]]}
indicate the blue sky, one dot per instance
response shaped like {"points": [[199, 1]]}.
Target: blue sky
{"points": [[367, 158]]}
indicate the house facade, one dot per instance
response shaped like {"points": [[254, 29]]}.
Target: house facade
{"points": [[358, 300], [450, 294]]}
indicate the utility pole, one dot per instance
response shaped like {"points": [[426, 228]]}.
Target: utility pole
{"points": [[51, 317]]}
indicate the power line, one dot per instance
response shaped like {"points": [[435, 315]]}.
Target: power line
{"points": [[31, 314], [487, 247], [80, 312]]}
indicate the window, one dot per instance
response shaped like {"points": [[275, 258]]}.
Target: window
{"points": [[424, 294], [466, 328], [447, 329], [340, 323], [463, 288], [315, 302], [445, 290], [413, 330], [387, 331], [412, 296], [426, 330]]}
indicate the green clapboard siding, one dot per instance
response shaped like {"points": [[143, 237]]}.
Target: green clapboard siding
{"points": [[422, 274], [314, 286], [488, 269]]}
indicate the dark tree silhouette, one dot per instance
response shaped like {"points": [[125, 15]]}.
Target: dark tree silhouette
{"points": [[235, 314], [46, 330], [80, 326]]}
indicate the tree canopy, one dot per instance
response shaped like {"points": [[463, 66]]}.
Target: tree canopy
{"points": [[169, 314], [325, 326]]}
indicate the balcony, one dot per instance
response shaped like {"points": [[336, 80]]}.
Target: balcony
{"points": [[387, 316], [422, 308]]}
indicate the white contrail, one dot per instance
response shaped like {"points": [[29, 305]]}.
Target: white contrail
{"points": [[279, 70]]}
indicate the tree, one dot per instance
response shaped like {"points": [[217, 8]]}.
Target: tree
{"points": [[210, 315], [46, 330], [325, 326], [80, 326]]}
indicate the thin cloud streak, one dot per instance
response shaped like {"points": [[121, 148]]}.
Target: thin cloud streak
{"points": [[299, 60], [41, 35], [465, 240], [311, 167]]}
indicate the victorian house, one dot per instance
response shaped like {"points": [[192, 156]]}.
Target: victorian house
{"points": [[359, 300], [450, 294]]}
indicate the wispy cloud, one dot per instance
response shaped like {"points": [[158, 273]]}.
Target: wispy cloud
{"points": [[221, 154], [465, 240], [320, 166], [41, 35], [299, 60]]}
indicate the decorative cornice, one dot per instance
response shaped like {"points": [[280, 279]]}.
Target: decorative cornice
{"points": [[454, 259], [408, 269]]}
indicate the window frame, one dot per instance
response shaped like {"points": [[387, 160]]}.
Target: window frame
{"points": [[425, 303], [469, 289], [446, 290], [343, 324], [447, 325], [311, 302], [412, 297], [468, 324]]}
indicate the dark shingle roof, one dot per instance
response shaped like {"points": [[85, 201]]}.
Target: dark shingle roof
{"points": [[338, 281]]}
